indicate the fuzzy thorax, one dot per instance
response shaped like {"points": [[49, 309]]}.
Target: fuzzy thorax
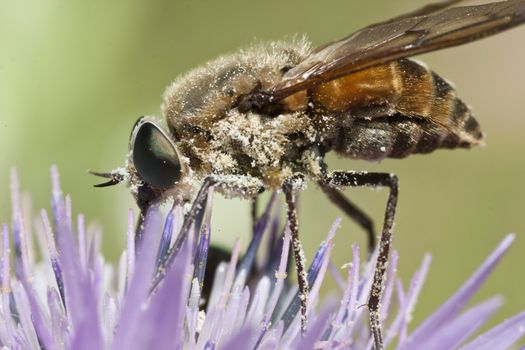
{"points": [[216, 137]]}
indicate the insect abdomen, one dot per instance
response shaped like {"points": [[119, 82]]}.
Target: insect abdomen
{"points": [[392, 137], [394, 110]]}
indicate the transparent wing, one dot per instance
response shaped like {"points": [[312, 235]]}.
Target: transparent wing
{"points": [[432, 28], [423, 11]]}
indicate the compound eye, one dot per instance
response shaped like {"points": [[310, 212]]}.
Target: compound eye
{"points": [[154, 156]]}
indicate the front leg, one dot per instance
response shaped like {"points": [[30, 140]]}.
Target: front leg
{"points": [[233, 184], [300, 261], [298, 253], [362, 179]]}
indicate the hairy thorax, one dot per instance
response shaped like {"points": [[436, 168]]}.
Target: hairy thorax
{"points": [[216, 138]]}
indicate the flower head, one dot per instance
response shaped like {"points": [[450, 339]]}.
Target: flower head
{"points": [[71, 298]]}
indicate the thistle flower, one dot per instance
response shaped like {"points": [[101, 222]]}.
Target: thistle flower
{"points": [[71, 298]]}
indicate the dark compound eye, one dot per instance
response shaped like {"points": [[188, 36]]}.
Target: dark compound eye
{"points": [[154, 156]]}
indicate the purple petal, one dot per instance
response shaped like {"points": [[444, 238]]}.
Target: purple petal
{"points": [[450, 309], [407, 303], [211, 322], [225, 301], [348, 292], [315, 330], [167, 234], [232, 314], [81, 299], [313, 270], [280, 275], [336, 275], [6, 261], [20, 248], [56, 193], [271, 337], [501, 336], [53, 256], [360, 329], [84, 339], [413, 293], [17, 226], [457, 331], [353, 285], [238, 341], [82, 247], [314, 290], [260, 299], [247, 261], [24, 315], [192, 311], [59, 324], [230, 273], [161, 325], [130, 246], [201, 256], [139, 286], [37, 317], [243, 308]]}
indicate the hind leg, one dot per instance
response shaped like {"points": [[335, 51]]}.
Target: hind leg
{"points": [[364, 179]]}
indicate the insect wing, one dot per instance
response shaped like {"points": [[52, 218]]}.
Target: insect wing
{"points": [[423, 11], [392, 40]]}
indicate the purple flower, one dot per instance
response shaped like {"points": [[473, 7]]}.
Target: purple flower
{"points": [[71, 298]]}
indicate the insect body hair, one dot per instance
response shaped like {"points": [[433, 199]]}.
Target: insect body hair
{"points": [[200, 109]]}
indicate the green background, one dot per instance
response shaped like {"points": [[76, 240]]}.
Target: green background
{"points": [[74, 76]]}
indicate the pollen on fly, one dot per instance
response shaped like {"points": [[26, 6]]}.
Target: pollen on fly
{"points": [[262, 119]]}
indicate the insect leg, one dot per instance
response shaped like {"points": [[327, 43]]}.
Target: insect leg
{"points": [[189, 219], [356, 214], [254, 207], [297, 248], [361, 179], [199, 203]]}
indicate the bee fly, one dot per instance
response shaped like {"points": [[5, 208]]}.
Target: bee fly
{"points": [[262, 119]]}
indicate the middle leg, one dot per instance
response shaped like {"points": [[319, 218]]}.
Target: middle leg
{"points": [[297, 249], [254, 209], [356, 214]]}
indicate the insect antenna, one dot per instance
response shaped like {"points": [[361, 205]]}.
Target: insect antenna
{"points": [[114, 178]]}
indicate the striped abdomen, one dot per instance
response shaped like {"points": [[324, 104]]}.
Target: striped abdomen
{"points": [[392, 110]]}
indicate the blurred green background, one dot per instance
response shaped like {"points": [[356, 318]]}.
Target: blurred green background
{"points": [[74, 77]]}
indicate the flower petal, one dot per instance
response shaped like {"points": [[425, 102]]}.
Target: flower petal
{"points": [[451, 308], [501, 336], [457, 331], [162, 323], [139, 286]]}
